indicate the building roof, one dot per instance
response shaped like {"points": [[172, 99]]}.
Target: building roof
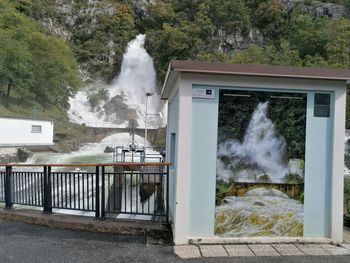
{"points": [[186, 66], [24, 118]]}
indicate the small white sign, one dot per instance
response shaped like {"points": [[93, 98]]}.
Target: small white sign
{"points": [[203, 93]]}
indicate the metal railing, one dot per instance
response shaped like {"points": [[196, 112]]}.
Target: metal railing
{"points": [[124, 154], [123, 188]]}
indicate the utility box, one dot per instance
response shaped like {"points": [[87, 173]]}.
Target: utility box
{"points": [[257, 152]]}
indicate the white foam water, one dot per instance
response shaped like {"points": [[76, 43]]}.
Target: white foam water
{"points": [[136, 78], [90, 152], [259, 213], [261, 152]]}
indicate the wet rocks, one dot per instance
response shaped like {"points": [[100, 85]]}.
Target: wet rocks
{"points": [[118, 112], [108, 149], [116, 104], [23, 154]]}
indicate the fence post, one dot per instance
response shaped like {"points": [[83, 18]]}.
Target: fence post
{"points": [[47, 190], [8, 188], [97, 201], [103, 214], [167, 194]]}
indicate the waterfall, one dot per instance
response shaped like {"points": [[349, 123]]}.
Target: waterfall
{"points": [[127, 94], [137, 76], [261, 152]]}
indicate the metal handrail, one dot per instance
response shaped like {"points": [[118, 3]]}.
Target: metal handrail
{"points": [[87, 165], [54, 189]]}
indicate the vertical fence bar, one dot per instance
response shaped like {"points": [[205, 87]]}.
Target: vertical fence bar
{"points": [[47, 190], [103, 214], [167, 194], [97, 197], [8, 188]]}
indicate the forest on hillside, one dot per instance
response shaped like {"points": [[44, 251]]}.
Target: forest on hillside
{"points": [[50, 47]]}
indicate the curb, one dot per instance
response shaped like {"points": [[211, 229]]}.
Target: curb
{"points": [[84, 223]]}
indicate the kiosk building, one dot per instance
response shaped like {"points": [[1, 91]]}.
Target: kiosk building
{"points": [[257, 152]]}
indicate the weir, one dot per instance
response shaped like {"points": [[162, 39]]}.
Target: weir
{"points": [[153, 135], [241, 188]]}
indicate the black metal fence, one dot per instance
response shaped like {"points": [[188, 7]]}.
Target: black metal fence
{"points": [[127, 188]]}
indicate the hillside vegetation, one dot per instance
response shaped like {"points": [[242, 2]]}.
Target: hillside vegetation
{"points": [[45, 42]]}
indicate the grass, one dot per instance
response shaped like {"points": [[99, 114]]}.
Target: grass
{"points": [[74, 134]]}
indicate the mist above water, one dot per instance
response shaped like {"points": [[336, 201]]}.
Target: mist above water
{"points": [[261, 152], [89, 153], [137, 77]]}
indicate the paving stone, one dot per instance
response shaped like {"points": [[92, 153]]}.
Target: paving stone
{"points": [[213, 251], [288, 250], [239, 251], [187, 251], [335, 251], [263, 250], [346, 246], [312, 249]]}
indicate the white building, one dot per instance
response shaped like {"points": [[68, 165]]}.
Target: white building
{"points": [[23, 132], [212, 109]]}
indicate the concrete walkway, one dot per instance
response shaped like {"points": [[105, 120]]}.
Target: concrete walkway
{"points": [[263, 250], [20, 242]]}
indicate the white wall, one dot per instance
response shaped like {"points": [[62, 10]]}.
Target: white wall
{"points": [[18, 132], [182, 222]]}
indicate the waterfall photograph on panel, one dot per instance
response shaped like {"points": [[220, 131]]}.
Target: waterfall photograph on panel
{"points": [[260, 164]]}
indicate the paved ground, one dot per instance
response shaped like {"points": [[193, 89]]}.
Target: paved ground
{"points": [[346, 237], [261, 250], [20, 242]]}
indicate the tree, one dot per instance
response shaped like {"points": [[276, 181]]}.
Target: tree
{"points": [[230, 15], [15, 63], [315, 61], [308, 35], [254, 55], [337, 48], [54, 69], [166, 44], [284, 55], [269, 18]]}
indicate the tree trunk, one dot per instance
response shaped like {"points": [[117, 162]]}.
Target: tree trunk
{"points": [[20, 100], [9, 86], [1, 96]]}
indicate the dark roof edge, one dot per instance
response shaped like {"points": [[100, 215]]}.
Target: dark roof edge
{"points": [[197, 67], [260, 74], [259, 70]]}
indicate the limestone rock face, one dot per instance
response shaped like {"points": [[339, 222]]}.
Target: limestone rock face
{"points": [[23, 154], [318, 8], [238, 40]]}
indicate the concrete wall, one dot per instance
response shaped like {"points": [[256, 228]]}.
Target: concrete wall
{"points": [[171, 146], [20, 132], [154, 136], [195, 176]]}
